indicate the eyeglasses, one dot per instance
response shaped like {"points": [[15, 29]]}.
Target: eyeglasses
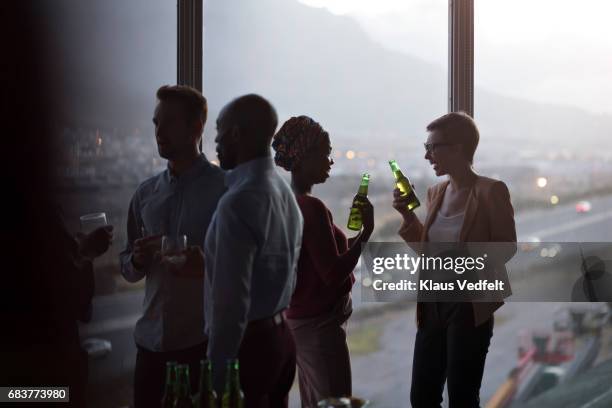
{"points": [[431, 147]]}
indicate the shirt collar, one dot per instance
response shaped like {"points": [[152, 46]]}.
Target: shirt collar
{"points": [[196, 168], [252, 167]]}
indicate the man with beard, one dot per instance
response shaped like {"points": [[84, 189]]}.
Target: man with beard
{"points": [[252, 248]]}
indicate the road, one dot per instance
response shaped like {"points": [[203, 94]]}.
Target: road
{"points": [[115, 315], [384, 376]]}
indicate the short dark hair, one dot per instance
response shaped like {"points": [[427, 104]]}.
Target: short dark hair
{"points": [[254, 116], [192, 100], [459, 126]]}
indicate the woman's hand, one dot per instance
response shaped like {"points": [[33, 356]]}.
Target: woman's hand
{"points": [[400, 203], [367, 217]]}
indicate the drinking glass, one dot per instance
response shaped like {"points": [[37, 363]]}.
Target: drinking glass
{"points": [[93, 221], [335, 403], [172, 248]]}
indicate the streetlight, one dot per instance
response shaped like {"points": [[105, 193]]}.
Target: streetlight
{"points": [[554, 200], [542, 182]]}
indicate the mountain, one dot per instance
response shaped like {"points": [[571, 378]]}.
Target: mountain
{"points": [[308, 61], [113, 54]]}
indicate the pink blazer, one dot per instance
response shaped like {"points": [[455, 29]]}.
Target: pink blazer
{"points": [[489, 217]]}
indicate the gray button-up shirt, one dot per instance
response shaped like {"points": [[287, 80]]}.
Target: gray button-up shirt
{"points": [[165, 204], [251, 253]]}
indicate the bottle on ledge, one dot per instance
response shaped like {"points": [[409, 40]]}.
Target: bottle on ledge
{"points": [[206, 396], [404, 186], [355, 222], [183, 389], [232, 395], [170, 390]]}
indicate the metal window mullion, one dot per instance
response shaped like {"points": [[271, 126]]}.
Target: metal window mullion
{"points": [[189, 43], [461, 56]]}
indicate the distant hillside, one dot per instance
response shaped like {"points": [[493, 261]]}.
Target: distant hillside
{"points": [[305, 60]]}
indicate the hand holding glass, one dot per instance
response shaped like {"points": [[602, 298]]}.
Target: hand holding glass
{"points": [[91, 222], [173, 250]]}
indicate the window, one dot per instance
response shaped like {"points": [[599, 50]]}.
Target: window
{"points": [[112, 56], [373, 74]]}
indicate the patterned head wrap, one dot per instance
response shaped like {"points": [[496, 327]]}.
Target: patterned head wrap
{"points": [[295, 138]]}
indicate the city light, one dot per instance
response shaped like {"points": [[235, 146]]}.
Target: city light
{"points": [[98, 138], [350, 154], [542, 182], [554, 200]]}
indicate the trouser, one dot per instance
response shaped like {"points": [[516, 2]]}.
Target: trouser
{"points": [[324, 365], [150, 372], [449, 348], [267, 363]]}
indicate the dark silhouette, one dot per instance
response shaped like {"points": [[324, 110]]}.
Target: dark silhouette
{"points": [[321, 303], [179, 201], [47, 274], [453, 337], [251, 254]]}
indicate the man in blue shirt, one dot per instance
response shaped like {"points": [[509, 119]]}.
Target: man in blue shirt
{"points": [[179, 201], [251, 253]]}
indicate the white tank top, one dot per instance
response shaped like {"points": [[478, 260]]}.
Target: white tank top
{"points": [[446, 229]]}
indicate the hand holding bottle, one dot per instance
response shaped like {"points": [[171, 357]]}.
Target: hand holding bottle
{"points": [[405, 188], [355, 221], [400, 203], [367, 215]]}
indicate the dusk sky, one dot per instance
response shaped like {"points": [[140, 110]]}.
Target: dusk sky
{"points": [[556, 51]]}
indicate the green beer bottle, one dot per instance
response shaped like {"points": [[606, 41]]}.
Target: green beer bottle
{"points": [[169, 392], [206, 396], [232, 395], [183, 388], [355, 221], [404, 185]]}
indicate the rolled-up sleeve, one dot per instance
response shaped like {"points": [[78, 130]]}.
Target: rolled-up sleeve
{"points": [[129, 272], [234, 257]]}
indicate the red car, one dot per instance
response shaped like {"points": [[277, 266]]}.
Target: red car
{"points": [[583, 207]]}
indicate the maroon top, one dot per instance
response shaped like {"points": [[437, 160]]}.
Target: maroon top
{"points": [[325, 266]]}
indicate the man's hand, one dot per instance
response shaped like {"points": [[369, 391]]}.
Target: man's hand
{"points": [[145, 249], [194, 263], [95, 243]]}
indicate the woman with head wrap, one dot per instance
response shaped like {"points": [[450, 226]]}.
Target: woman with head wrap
{"points": [[321, 303]]}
